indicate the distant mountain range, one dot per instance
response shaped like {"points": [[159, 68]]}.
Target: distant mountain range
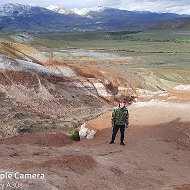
{"points": [[178, 23], [19, 18], [81, 12]]}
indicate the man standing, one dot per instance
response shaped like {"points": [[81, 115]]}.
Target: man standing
{"points": [[120, 118]]}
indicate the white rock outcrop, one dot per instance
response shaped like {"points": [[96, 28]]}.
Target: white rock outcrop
{"points": [[86, 133]]}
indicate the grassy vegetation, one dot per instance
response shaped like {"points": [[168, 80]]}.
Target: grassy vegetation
{"points": [[127, 41], [74, 134], [134, 36], [21, 128], [5, 38]]}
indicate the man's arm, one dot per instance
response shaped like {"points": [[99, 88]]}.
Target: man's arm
{"points": [[127, 118], [113, 117]]}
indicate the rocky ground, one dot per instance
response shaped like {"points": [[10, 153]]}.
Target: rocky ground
{"points": [[156, 155]]}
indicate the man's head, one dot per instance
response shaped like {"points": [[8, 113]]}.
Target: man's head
{"points": [[122, 103]]}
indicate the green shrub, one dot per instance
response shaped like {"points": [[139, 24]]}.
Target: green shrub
{"points": [[23, 128], [19, 115], [74, 134]]}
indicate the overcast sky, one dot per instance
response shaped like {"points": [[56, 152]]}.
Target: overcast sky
{"points": [[174, 6]]}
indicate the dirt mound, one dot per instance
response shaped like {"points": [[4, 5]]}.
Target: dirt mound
{"points": [[183, 187], [178, 187], [175, 132], [37, 139], [100, 123], [75, 163]]}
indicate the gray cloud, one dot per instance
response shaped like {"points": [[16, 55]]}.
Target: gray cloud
{"points": [[174, 6]]}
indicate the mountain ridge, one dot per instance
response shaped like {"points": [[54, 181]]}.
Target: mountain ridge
{"points": [[178, 23], [19, 18]]}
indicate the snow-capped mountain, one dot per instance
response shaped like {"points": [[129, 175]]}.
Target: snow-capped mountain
{"points": [[85, 11], [80, 12], [16, 18], [60, 10], [13, 9]]}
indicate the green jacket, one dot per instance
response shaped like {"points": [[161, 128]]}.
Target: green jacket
{"points": [[120, 116]]}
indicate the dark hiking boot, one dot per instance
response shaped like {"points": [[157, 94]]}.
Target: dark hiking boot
{"points": [[122, 144], [111, 142]]}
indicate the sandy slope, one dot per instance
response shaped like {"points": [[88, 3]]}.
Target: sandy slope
{"points": [[156, 155]]}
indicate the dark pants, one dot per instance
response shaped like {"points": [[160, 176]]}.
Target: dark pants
{"points": [[115, 130]]}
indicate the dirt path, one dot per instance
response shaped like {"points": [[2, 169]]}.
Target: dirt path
{"points": [[156, 155], [157, 152]]}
